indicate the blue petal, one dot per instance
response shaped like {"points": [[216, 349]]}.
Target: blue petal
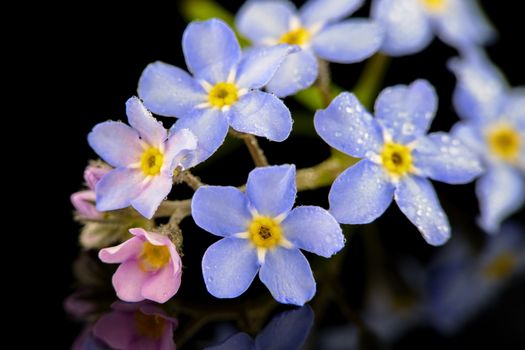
{"points": [[271, 190], [220, 210], [149, 199], [348, 127], [117, 188], [315, 230], [210, 126], [169, 91], [297, 72], [229, 267], [149, 128], [259, 65], [480, 87], [407, 111], [444, 158], [262, 114], [238, 341], [417, 199], [464, 25], [288, 330], [178, 149], [407, 28], [116, 143], [513, 108], [360, 194], [288, 276], [348, 42], [211, 50], [501, 192], [259, 21], [325, 11], [471, 136]]}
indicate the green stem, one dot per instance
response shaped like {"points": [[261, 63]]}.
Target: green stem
{"points": [[371, 79]]}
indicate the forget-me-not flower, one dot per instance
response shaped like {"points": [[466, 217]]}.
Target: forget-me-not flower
{"points": [[317, 28], [263, 234], [224, 90], [493, 126], [144, 156], [397, 158], [410, 25]]}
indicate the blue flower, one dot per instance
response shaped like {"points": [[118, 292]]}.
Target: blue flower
{"points": [[318, 29], [493, 126], [410, 24], [263, 234], [397, 158], [224, 90], [144, 156], [462, 282], [286, 331]]}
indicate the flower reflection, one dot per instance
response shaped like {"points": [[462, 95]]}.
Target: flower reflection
{"points": [[287, 331], [462, 283], [136, 326]]}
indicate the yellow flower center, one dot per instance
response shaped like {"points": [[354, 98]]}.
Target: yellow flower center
{"points": [[299, 36], [223, 94], [434, 5], [151, 161], [265, 232], [504, 142], [396, 159], [149, 326], [501, 267], [153, 257]]}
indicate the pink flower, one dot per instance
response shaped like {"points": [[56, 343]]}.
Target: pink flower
{"points": [[84, 201], [150, 267], [136, 326]]}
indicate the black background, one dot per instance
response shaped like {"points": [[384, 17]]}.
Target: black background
{"points": [[92, 66]]}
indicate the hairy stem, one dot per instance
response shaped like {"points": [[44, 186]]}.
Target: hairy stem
{"points": [[253, 147], [323, 82]]}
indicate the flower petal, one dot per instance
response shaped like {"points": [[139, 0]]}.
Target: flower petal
{"points": [[480, 87], [360, 194], [149, 199], [407, 110], [417, 199], [118, 188], [325, 11], [514, 107], [149, 128], [259, 65], [348, 127], [297, 72], [271, 190], [262, 114], [349, 41], [122, 252], [287, 330], [128, 281], [220, 210], [288, 276], [178, 148], [116, 329], [259, 21], [169, 91], [470, 135], [315, 230], [446, 159], [464, 25], [211, 50], [163, 285], [229, 267], [210, 126], [501, 192], [116, 143], [407, 28]]}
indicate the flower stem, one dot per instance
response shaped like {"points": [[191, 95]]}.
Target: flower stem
{"points": [[191, 180], [371, 79], [253, 147], [323, 81]]}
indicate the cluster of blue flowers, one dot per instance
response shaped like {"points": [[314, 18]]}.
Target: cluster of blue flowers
{"points": [[227, 87]]}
